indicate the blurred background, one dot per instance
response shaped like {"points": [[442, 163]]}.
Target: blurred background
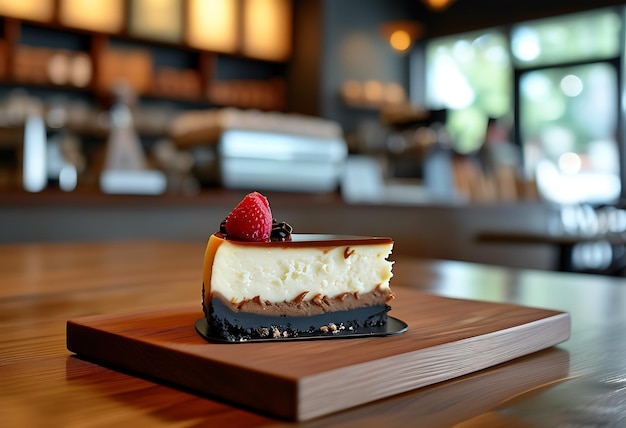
{"points": [[471, 130]]}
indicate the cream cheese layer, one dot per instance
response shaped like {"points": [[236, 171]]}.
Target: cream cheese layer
{"points": [[284, 272]]}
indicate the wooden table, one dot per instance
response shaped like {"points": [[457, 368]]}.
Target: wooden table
{"points": [[581, 382]]}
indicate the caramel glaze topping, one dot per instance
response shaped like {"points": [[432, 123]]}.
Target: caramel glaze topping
{"points": [[323, 242], [319, 304]]}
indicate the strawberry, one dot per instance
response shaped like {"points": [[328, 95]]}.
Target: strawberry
{"points": [[250, 220]]}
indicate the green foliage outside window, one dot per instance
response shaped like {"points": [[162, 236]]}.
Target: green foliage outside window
{"points": [[470, 75]]}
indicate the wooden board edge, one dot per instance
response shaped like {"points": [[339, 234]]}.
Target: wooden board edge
{"points": [[449, 403], [329, 392], [187, 371]]}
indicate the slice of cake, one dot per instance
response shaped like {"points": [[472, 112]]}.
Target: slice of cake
{"points": [[261, 281]]}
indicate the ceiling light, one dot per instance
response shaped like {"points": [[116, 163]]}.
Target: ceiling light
{"points": [[437, 5]]}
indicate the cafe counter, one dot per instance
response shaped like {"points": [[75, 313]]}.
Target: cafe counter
{"points": [[429, 230]]}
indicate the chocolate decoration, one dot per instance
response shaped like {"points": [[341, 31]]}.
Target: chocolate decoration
{"points": [[314, 240]]}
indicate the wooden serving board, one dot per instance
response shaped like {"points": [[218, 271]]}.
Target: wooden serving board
{"points": [[300, 380]]}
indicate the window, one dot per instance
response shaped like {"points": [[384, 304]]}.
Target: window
{"points": [[568, 113], [568, 125], [564, 71], [471, 76], [573, 38]]}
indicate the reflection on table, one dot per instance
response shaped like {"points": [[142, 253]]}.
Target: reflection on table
{"points": [[587, 239]]}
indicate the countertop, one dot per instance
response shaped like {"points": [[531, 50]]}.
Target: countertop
{"points": [[434, 230]]}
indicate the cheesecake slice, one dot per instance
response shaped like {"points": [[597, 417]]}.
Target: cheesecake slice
{"points": [[305, 285]]}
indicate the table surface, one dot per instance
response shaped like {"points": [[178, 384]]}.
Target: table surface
{"points": [[581, 382]]}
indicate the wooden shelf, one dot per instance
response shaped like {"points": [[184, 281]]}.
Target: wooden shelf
{"points": [[109, 58]]}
